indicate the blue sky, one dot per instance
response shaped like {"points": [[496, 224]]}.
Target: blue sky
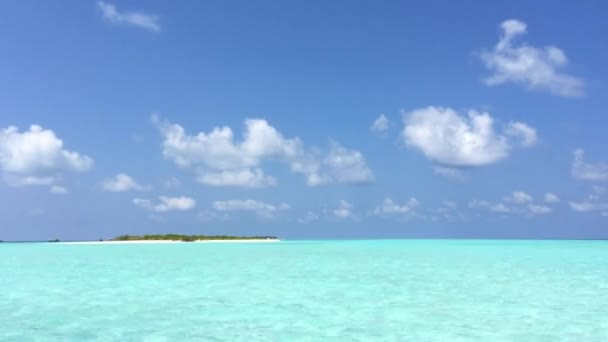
{"points": [[343, 119]]}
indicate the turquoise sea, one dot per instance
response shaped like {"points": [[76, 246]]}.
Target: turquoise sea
{"points": [[386, 290]]}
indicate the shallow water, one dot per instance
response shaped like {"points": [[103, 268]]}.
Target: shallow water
{"points": [[416, 290]]}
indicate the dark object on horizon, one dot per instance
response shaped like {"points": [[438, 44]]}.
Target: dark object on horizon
{"points": [[55, 240], [189, 238]]}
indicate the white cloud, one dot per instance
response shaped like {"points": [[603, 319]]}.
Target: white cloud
{"points": [[36, 157], [495, 207], [539, 209], [344, 210], [450, 173], [519, 197], [14, 180], [343, 166], [551, 198], [380, 125], [166, 204], [588, 171], [521, 204], [138, 19], [249, 177], [445, 136], [121, 183], [58, 190], [587, 206], [532, 67], [523, 131], [262, 209], [388, 207], [218, 151], [598, 189], [220, 161]]}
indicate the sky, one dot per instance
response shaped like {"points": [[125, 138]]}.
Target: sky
{"points": [[303, 119]]}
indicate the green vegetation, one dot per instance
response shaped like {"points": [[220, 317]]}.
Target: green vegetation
{"points": [[189, 238]]}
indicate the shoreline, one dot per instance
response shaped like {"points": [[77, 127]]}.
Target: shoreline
{"points": [[128, 242]]}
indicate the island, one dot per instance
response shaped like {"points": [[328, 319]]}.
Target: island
{"points": [[192, 238], [173, 238]]}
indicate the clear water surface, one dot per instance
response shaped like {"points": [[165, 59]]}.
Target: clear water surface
{"points": [[401, 290]]}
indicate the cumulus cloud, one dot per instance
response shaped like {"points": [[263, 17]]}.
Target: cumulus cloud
{"points": [[58, 190], [494, 207], [588, 206], [252, 178], [380, 125], [551, 198], [389, 207], [521, 203], [519, 197], [36, 157], [533, 67], [344, 210], [450, 173], [588, 171], [218, 160], [342, 165], [166, 204], [447, 137], [539, 209], [137, 18], [261, 209], [526, 133], [121, 183]]}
